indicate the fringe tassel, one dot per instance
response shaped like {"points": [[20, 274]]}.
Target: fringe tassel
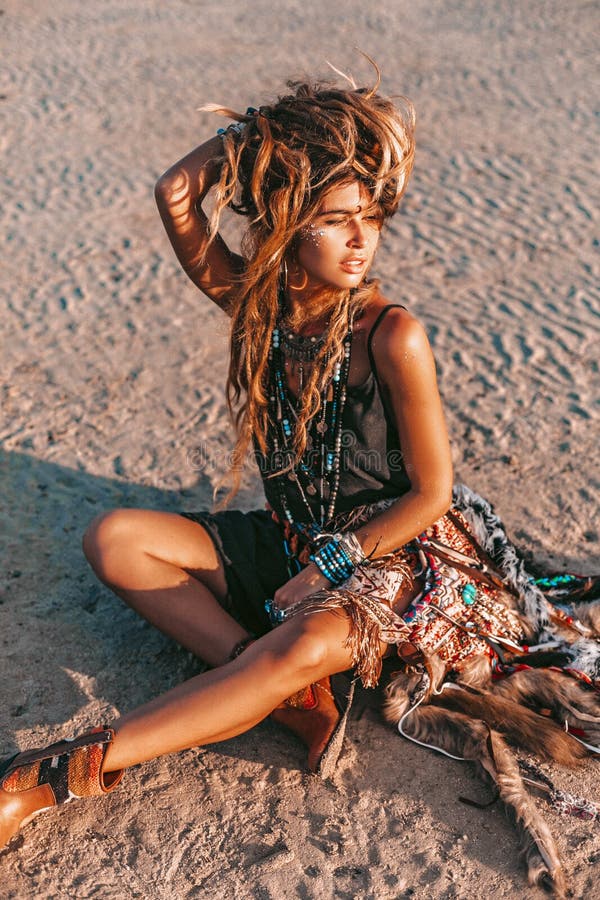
{"points": [[366, 629]]}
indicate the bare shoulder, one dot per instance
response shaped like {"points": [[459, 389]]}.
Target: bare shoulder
{"points": [[400, 350], [399, 338]]}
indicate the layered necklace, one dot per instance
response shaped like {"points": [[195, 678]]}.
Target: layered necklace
{"points": [[318, 472], [300, 349]]}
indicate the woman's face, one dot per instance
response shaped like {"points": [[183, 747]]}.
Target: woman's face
{"points": [[337, 247]]}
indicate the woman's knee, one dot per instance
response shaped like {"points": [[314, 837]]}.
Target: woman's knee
{"points": [[109, 538], [315, 645]]}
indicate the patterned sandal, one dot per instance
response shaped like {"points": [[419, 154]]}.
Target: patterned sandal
{"points": [[36, 780]]}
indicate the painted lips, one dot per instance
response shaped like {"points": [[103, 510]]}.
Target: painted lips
{"points": [[353, 266]]}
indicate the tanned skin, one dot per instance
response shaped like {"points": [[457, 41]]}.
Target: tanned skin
{"points": [[165, 566]]}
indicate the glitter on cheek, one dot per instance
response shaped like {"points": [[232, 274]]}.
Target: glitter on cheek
{"points": [[312, 234]]}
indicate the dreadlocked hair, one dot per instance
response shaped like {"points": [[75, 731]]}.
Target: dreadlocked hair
{"points": [[275, 171]]}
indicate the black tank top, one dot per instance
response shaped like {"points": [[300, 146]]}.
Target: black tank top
{"points": [[371, 465]]}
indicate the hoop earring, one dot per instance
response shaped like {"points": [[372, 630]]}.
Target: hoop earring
{"points": [[297, 287]]}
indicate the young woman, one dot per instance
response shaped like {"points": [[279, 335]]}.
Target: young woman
{"points": [[334, 391]]}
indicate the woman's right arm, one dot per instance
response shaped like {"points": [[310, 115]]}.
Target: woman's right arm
{"points": [[179, 193]]}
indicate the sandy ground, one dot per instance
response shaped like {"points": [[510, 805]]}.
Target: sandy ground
{"points": [[113, 368]]}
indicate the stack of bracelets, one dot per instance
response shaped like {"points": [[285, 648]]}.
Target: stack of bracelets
{"points": [[339, 557]]}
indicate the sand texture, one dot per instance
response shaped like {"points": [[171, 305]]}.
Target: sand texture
{"points": [[113, 368]]}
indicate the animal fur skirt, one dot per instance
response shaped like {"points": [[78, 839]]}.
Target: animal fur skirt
{"points": [[487, 653]]}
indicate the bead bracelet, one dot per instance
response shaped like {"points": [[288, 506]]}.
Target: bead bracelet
{"points": [[339, 557]]}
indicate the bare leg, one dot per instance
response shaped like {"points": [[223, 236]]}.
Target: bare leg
{"points": [[217, 704], [166, 568], [224, 702], [213, 706]]}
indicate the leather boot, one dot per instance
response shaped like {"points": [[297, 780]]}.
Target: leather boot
{"points": [[36, 780], [317, 715]]}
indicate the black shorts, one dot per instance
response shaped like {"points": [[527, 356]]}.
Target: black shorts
{"points": [[250, 546]]}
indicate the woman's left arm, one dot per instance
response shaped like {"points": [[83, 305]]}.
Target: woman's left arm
{"points": [[406, 368]]}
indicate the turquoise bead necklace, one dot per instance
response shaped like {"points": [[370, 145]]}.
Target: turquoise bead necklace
{"points": [[324, 454]]}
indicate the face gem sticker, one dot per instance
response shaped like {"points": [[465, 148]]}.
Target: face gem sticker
{"points": [[313, 234]]}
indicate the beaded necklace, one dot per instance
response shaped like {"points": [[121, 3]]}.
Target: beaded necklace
{"points": [[299, 347], [318, 472]]}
